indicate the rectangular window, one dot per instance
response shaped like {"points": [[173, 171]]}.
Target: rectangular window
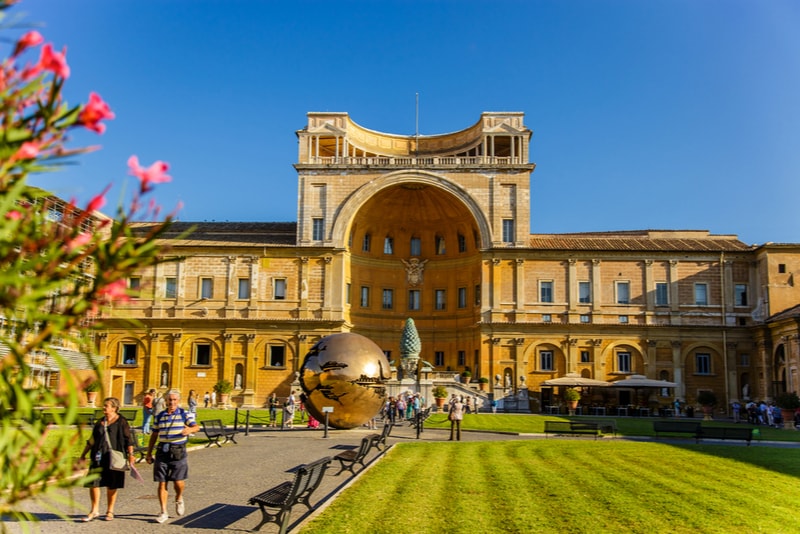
{"points": [[547, 318], [387, 302], [438, 358], [462, 243], [586, 319], [462, 297], [744, 360], [462, 357], [317, 229], [701, 294], [388, 245], [129, 353], [546, 291], [702, 363], [364, 297], [365, 243], [202, 354], [623, 292], [170, 288], [624, 362], [662, 294], [741, 294], [440, 248], [584, 292], [413, 299], [134, 283], [244, 288], [623, 319], [585, 356], [782, 268], [546, 360], [206, 288], [477, 294], [416, 246], [508, 230], [440, 297], [277, 356], [279, 289]]}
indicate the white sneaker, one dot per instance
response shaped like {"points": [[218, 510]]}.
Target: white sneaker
{"points": [[162, 517], [180, 509]]}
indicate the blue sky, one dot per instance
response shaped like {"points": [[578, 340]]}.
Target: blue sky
{"points": [[646, 114]]}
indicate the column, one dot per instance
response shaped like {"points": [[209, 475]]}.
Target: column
{"points": [[303, 279], [495, 285], [568, 346], [572, 285], [225, 365], [597, 286], [674, 294], [649, 286], [519, 281], [230, 283], [250, 369], [677, 371], [150, 370], [327, 277], [650, 360], [176, 362]]}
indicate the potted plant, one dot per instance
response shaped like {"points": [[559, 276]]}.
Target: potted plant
{"points": [[482, 383], [707, 399], [572, 396], [223, 389], [91, 390], [439, 394], [788, 402]]}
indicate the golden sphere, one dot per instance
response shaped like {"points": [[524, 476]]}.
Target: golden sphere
{"points": [[346, 372]]}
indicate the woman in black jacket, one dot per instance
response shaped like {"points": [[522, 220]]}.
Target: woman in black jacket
{"points": [[119, 435]]}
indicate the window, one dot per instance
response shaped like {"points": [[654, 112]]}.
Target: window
{"points": [[388, 245], [546, 291], [416, 246], [462, 243], [129, 353], [387, 302], [244, 288], [134, 283], [202, 354], [440, 248], [741, 294], [662, 294], [547, 318], [413, 299], [623, 319], [462, 357], [279, 288], [508, 230], [744, 360], [782, 268], [364, 296], [624, 362], [701, 294], [277, 356], [462, 297], [440, 297], [206, 288], [623, 293], [365, 243], [702, 363], [317, 229], [546, 360], [584, 292], [438, 358], [477, 294], [586, 318], [170, 288], [585, 356]]}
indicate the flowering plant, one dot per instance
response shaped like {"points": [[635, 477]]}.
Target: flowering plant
{"points": [[61, 265]]}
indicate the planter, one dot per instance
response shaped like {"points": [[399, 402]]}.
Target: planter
{"points": [[788, 418], [223, 399], [439, 404], [91, 396], [707, 412], [482, 386]]}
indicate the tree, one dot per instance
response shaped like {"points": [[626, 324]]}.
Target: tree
{"points": [[61, 265]]}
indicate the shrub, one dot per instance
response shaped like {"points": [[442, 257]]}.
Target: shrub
{"points": [[788, 400], [572, 394]]}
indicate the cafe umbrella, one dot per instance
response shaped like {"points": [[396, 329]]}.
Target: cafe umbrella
{"points": [[639, 382], [574, 380]]}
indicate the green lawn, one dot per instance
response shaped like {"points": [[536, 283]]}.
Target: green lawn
{"points": [[571, 485]]}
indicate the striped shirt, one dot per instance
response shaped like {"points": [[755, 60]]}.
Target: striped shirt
{"points": [[170, 425]]}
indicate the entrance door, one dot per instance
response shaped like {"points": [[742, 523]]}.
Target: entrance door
{"points": [[127, 396]]}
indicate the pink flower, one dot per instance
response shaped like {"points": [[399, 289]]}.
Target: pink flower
{"points": [[93, 112], [52, 61], [13, 215], [32, 38], [154, 174], [99, 201], [28, 150], [78, 242], [117, 290]]}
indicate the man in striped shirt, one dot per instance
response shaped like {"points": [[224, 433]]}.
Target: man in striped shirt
{"points": [[171, 430]]}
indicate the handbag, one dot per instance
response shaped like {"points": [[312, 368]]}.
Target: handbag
{"points": [[117, 462]]}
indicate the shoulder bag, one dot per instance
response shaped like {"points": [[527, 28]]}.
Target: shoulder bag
{"points": [[117, 462]]}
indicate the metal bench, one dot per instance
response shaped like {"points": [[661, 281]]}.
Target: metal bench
{"points": [[376, 440], [725, 432], [215, 430], [284, 496], [676, 427], [139, 448], [349, 459], [573, 427], [607, 426]]}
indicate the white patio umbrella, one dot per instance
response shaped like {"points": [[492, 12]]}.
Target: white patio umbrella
{"points": [[575, 380], [641, 381]]}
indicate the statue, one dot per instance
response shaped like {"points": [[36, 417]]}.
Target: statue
{"points": [[414, 269], [508, 380], [164, 378], [237, 381], [497, 380], [746, 391]]}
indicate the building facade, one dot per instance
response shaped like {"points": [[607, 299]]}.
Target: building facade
{"points": [[436, 228]]}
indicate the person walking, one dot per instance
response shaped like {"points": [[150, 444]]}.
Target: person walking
{"points": [[171, 431], [192, 401], [456, 415], [288, 411], [273, 404], [112, 432], [159, 404], [206, 399], [147, 410]]}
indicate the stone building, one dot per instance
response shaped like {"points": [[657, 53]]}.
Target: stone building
{"points": [[436, 228]]}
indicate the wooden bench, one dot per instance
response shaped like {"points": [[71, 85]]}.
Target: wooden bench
{"points": [[676, 427], [607, 426], [349, 459], [284, 496], [375, 440], [573, 427], [725, 432], [215, 430]]}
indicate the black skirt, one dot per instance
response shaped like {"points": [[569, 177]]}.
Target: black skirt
{"points": [[108, 478]]}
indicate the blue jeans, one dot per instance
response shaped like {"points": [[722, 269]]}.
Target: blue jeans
{"points": [[147, 418]]}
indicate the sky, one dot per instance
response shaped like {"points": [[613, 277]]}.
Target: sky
{"points": [[652, 114]]}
